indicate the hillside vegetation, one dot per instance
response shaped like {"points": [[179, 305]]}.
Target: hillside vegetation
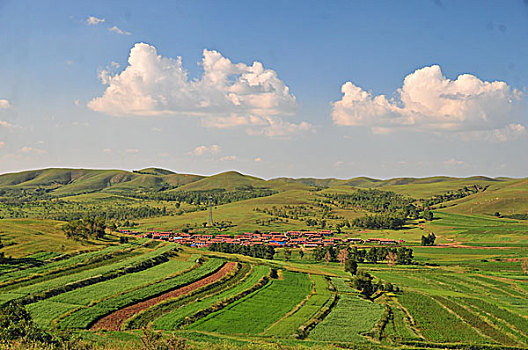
{"points": [[456, 278]]}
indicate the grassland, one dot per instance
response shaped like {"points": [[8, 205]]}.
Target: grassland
{"points": [[468, 290]]}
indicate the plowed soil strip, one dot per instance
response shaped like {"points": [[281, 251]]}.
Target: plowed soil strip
{"points": [[114, 320]]}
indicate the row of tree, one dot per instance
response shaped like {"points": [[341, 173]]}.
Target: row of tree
{"points": [[88, 227], [201, 197], [256, 251], [393, 255], [452, 195], [391, 221], [371, 200]]}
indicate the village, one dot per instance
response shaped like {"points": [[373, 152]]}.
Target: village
{"points": [[290, 239]]}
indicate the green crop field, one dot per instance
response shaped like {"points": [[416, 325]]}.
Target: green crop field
{"points": [[320, 297], [468, 290], [173, 319], [339, 326], [255, 313], [84, 317]]}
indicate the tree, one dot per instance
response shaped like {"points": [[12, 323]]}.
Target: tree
{"points": [[16, 324], [429, 239], [85, 228], [362, 281], [391, 258], [372, 255], [328, 257], [351, 266], [404, 256], [428, 215], [343, 255], [318, 253], [287, 254]]}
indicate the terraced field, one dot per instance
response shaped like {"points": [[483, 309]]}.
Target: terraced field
{"points": [[258, 311], [468, 308], [339, 326], [174, 319]]}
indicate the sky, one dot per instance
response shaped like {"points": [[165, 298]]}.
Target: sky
{"points": [[269, 88]]}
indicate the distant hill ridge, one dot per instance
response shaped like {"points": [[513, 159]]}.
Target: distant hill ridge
{"points": [[63, 181]]}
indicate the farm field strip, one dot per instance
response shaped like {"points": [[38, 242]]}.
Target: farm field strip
{"points": [[339, 326], [476, 321], [399, 328], [254, 313], [174, 319], [127, 282], [45, 311], [320, 297], [64, 280], [84, 317], [435, 322], [114, 320], [507, 321], [98, 291], [67, 263], [506, 298], [147, 316]]}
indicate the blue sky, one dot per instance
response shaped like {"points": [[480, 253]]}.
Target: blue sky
{"points": [[70, 98]]}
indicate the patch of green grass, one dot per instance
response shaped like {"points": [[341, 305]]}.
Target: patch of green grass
{"points": [[317, 300], [172, 320], [84, 317], [89, 294], [351, 317], [254, 313], [436, 323]]}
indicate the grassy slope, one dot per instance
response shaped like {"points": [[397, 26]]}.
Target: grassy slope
{"points": [[105, 186], [23, 237]]}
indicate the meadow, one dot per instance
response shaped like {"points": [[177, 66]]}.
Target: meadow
{"points": [[467, 290]]}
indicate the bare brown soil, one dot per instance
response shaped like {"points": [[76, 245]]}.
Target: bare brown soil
{"points": [[114, 320]]}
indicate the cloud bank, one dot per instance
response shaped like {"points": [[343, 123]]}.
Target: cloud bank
{"points": [[227, 95], [430, 102]]}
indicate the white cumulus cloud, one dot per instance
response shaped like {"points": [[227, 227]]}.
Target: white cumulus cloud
{"points": [[4, 104], [31, 150], [428, 101], [116, 29], [92, 20], [227, 95], [6, 124], [202, 150], [454, 162]]}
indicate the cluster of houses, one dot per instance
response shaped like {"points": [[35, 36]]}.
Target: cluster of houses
{"points": [[291, 239]]}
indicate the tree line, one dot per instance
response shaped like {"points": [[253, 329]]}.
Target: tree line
{"points": [[393, 255], [201, 197], [371, 200], [88, 227], [257, 251]]}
